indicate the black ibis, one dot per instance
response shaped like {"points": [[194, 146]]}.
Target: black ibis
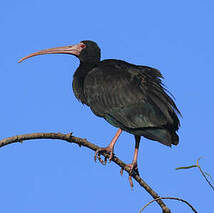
{"points": [[129, 97]]}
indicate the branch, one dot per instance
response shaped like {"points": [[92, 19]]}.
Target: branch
{"points": [[171, 198], [83, 142], [204, 174]]}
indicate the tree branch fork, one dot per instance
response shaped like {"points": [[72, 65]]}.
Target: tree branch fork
{"points": [[84, 142]]}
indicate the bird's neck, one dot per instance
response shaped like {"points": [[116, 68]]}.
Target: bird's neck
{"points": [[84, 69], [78, 80]]}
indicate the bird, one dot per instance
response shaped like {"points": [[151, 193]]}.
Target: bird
{"points": [[130, 97]]}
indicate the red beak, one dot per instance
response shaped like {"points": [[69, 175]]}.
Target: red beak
{"points": [[72, 49]]}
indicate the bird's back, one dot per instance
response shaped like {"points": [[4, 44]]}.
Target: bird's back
{"points": [[132, 98]]}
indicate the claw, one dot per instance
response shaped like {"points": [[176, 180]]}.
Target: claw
{"points": [[109, 149], [121, 172], [133, 170], [97, 155], [102, 150], [131, 182]]}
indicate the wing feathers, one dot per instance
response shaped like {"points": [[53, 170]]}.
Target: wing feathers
{"points": [[132, 95]]}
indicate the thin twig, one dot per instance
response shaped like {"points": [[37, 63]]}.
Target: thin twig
{"points": [[204, 174], [171, 198], [83, 142]]}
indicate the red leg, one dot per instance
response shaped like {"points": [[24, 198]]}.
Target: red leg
{"points": [[133, 165], [109, 149]]}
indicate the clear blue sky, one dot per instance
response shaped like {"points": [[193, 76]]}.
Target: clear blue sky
{"points": [[36, 96]]}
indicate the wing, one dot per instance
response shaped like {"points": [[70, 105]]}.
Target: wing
{"points": [[128, 95]]}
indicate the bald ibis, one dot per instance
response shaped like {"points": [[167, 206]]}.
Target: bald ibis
{"points": [[129, 97]]}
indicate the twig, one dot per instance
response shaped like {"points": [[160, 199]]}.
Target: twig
{"points": [[204, 174], [171, 198], [83, 142]]}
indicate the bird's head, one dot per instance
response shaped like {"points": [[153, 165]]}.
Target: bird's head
{"points": [[87, 51]]}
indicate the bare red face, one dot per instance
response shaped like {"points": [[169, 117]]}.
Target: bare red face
{"points": [[72, 49]]}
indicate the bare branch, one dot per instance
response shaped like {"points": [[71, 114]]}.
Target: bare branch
{"points": [[171, 198], [83, 142], [204, 174]]}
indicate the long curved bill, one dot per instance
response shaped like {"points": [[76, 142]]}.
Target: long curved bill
{"points": [[72, 49]]}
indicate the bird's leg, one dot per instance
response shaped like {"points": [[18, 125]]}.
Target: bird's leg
{"points": [[133, 165], [109, 149]]}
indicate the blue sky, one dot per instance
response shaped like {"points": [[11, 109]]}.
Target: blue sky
{"points": [[36, 96]]}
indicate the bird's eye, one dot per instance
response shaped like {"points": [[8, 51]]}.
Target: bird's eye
{"points": [[82, 45]]}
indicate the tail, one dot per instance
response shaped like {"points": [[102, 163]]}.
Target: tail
{"points": [[164, 136], [174, 138]]}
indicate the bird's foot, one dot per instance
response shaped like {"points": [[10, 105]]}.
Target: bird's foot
{"points": [[133, 170], [99, 151]]}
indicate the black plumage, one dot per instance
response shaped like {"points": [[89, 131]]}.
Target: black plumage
{"points": [[129, 97]]}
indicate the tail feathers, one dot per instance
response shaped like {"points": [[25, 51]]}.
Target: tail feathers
{"points": [[175, 138], [163, 136]]}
